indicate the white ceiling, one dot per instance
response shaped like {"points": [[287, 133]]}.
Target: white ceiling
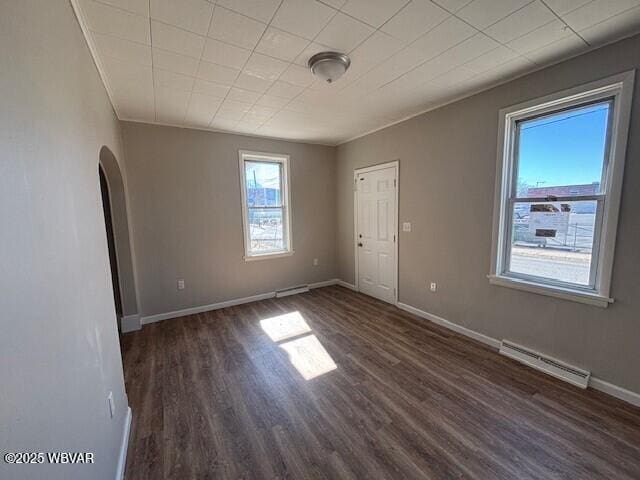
{"points": [[240, 65]]}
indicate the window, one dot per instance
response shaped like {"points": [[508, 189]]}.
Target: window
{"points": [[265, 205], [560, 172]]}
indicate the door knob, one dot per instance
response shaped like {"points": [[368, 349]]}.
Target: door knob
{"points": [[359, 244]]}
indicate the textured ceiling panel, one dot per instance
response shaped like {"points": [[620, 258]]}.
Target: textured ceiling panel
{"points": [[240, 65]]}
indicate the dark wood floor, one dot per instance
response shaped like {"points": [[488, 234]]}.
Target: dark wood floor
{"points": [[387, 395]]}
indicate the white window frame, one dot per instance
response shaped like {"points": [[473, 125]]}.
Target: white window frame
{"points": [[283, 161], [619, 88]]}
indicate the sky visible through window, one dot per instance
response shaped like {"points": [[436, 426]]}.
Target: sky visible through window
{"points": [[556, 154], [263, 183], [566, 148], [263, 174]]}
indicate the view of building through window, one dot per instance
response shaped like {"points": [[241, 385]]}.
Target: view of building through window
{"points": [[265, 209], [560, 163]]}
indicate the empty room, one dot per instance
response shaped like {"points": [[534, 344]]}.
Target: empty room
{"points": [[319, 239]]}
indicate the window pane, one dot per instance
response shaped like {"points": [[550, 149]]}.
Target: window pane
{"points": [[554, 240], [563, 154], [265, 230], [263, 184]]}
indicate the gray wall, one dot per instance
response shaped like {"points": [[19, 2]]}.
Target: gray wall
{"points": [[184, 193], [59, 351], [447, 177]]}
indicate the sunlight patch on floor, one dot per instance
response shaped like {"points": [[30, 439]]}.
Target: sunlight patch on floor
{"points": [[305, 352], [309, 356], [285, 326]]}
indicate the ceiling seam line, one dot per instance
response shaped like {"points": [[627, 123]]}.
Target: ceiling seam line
{"points": [[269, 24], [193, 84], [102, 2], [378, 29], [308, 87], [429, 59], [245, 64], [407, 45], [544, 2], [519, 54]]}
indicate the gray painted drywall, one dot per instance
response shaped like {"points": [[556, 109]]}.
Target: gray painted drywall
{"points": [[184, 198], [59, 350], [447, 178]]}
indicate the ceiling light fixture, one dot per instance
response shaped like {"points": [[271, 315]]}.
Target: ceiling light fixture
{"points": [[329, 66]]}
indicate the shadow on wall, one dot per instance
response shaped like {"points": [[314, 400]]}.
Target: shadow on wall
{"points": [[117, 231]]}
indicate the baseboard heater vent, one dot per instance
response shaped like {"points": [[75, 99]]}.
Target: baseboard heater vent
{"points": [[292, 291], [551, 366]]}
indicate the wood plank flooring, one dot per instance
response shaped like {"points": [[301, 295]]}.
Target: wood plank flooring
{"points": [[366, 391]]}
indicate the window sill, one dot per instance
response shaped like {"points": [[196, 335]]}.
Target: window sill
{"points": [[266, 256], [558, 292]]}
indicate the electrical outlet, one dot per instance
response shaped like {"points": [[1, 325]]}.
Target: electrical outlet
{"points": [[181, 284], [315, 262], [433, 286], [112, 405], [406, 227]]}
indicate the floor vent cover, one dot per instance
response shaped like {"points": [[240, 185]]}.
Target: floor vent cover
{"points": [[551, 366], [292, 291]]}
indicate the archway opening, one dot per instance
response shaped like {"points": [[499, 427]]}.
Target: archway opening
{"points": [[117, 232], [111, 243]]}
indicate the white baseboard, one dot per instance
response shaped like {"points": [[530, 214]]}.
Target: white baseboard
{"points": [[615, 391], [205, 308], [492, 342], [326, 283], [344, 284], [227, 303], [124, 445], [287, 292], [594, 382], [130, 323]]}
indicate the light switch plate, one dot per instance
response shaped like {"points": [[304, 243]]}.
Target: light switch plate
{"points": [[406, 227]]}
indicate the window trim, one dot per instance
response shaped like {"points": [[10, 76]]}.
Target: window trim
{"points": [[283, 160], [617, 87]]}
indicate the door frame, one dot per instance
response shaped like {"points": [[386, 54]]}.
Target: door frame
{"points": [[395, 164]]}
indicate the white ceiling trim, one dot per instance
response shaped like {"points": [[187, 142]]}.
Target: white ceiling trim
{"points": [[94, 52], [229, 132]]}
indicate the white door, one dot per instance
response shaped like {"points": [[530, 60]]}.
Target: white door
{"points": [[375, 233]]}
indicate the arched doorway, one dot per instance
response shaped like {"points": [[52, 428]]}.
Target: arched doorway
{"points": [[111, 243], [118, 242]]}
